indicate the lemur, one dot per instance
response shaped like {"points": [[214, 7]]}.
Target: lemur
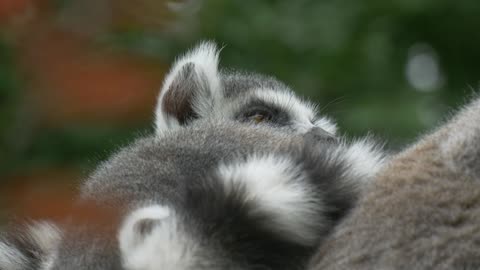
{"points": [[195, 88], [239, 174], [422, 211]]}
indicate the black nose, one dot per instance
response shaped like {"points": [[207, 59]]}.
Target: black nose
{"points": [[318, 134]]}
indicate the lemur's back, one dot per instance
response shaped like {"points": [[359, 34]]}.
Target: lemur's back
{"points": [[155, 168], [225, 196], [423, 209]]}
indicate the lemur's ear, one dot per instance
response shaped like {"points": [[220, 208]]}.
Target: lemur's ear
{"points": [[139, 224], [190, 89], [151, 238]]}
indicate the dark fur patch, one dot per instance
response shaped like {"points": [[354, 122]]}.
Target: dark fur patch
{"points": [[145, 226], [327, 172], [178, 101], [225, 219], [280, 117]]}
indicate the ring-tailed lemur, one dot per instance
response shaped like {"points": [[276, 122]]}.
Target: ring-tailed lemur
{"points": [[196, 89], [238, 176]]}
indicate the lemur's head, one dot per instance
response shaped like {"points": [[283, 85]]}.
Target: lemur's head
{"points": [[195, 88]]}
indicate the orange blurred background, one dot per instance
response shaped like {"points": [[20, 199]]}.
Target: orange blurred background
{"points": [[69, 81]]}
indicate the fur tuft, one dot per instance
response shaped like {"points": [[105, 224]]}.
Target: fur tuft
{"points": [[150, 238], [327, 124], [35, 247], [366, 159], [11, 258], [461, 150], [279, 190]]}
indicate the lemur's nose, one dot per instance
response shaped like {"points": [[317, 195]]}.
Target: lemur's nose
{"points": [[319, 134]]}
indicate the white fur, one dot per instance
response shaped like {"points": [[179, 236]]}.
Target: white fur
{"points": [[11, 258], [47, 237], [326, 124], [205, 58], [48, 263], [279, 189], [302, 112], [365, 158], [166, 247], [460, 149]]}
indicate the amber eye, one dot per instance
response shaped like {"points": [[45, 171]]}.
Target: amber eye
{"points": [[259, 116]]}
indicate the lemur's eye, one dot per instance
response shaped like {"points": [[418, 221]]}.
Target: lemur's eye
{"points": [[259, 116]]}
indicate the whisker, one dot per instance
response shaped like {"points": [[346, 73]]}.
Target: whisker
{"points": [[335, 101]]}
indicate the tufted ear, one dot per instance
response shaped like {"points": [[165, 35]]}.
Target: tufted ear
{"points": [[140, 224], [190, 89]]}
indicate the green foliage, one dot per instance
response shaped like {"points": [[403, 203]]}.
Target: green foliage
{"points": [[9, 95], [8, 85], [351, 52], [355, 51]]}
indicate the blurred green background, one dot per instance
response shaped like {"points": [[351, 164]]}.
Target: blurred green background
{"points": [[79, 78]]}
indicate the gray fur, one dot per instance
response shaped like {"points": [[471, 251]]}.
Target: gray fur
{"points": [[217, 218], [176, 170], [422, 211], [172, 169], [178, 154], [195, 89], [239, 82], [32, 246]]}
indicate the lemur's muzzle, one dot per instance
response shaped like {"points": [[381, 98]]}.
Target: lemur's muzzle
{"points": [[319, 134]]}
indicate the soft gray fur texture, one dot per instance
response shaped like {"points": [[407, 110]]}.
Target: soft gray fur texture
{"points": [[422, 211], [163, 170], [217, 219], [240, 174]]}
